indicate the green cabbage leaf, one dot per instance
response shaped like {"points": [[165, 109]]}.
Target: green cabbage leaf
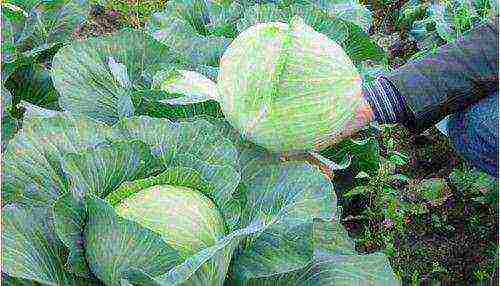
{"points": [[119, 76]]}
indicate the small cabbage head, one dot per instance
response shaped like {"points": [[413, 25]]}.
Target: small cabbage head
{"points": [[287, 87]]}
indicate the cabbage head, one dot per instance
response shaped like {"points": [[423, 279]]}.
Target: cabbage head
{"points": [[287, 87], [157, 208]]}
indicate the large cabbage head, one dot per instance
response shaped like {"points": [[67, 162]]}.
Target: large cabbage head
{"points": [[288, 87]]}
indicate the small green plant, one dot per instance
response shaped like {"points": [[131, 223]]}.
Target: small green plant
{"points": [[383, 199], [475, 185], [376, 185], [437, 268], [440, 223], [375, 182], [481, 274], [483, 271]]}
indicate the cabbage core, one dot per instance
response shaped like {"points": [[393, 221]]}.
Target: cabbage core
{"points": [[186, 219], [287, 87]]}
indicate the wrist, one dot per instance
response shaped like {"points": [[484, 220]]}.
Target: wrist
{"points": [[365, 112], [387, 104]]}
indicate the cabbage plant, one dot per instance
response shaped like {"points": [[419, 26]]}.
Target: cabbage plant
{"points": [[149, 201], [203, 29], [284, 86], [31, 28], [128, 186]]}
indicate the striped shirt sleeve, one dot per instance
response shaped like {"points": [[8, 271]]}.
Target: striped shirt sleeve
{"points": [[388, 105]]}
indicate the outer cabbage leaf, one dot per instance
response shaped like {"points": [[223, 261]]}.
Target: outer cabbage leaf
{"points": [[325, 18], [9, 123], [30, 248], [108, 237], [161, 108], [247, 150], [336, 262], [260, 14], [70, 217], [9, 29], [289, 195], [113, 77], [345, 22], [360, 47], [8, 40], [345, 270], [33, 84], [102, 170], [171, 139], [32, 173], [39, 25], [195, 28], [12, 281], [31, 111], [187, 94], [188, 273], [363, 155], [335, 259], [347, 10], [193, 86]]}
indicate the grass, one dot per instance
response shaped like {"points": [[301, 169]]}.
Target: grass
{"points": [[135, 12]]}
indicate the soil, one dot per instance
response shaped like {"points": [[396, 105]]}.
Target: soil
{"points": [[458, 250], [100, 22], [449, 252]]}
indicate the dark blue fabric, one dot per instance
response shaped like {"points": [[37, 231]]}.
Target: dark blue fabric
{"points": [[474, 133], [388, 105], [458, 75]]}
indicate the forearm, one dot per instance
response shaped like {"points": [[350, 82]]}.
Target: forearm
{"points": [[420, 94], [455, 77]]}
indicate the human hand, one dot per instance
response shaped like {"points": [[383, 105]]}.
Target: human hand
{"points": [[363, 115]]}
